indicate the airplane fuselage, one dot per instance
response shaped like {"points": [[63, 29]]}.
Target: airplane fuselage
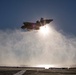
{"points": [[37, 25]]}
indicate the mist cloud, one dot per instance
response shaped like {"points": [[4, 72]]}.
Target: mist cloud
{"points": [[18, 47]]}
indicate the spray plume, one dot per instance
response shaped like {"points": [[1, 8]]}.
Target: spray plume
{"points": [[32, 48]]}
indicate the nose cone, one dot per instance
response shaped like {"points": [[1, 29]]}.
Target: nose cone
{"points": [[49, 20]]}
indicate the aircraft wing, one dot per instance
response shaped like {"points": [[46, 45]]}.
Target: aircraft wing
{"points": [[28, 25], [31, 23], [45, 21]]}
